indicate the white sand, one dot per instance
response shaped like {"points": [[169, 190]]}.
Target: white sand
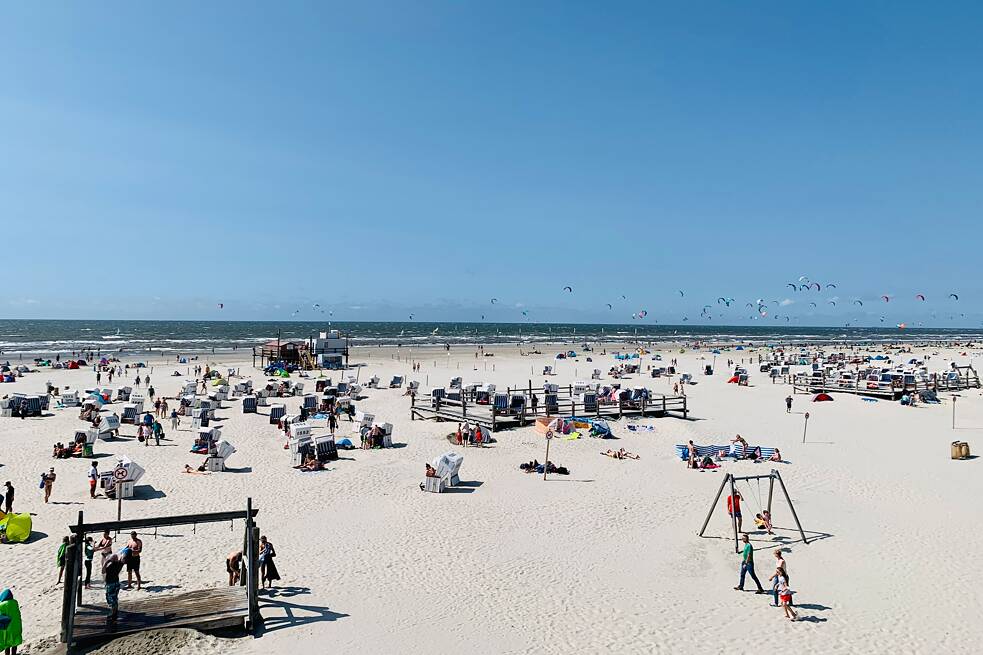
{"points": [[604, 559]]}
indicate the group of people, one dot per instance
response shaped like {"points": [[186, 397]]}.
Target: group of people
{"points": [[149, 429], [739, 449], [470, 435], [621, 453], [781, 592], [111, 565], [268, 572]]}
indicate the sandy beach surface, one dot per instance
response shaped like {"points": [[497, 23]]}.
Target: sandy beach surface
{"points": [[606, 559]]}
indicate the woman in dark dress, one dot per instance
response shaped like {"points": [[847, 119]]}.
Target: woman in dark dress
{"points": [[267, 566]]}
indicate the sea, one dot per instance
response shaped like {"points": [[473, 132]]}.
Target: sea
{"points": [[51, 337]]}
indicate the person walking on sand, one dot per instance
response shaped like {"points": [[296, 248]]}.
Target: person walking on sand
{"points": [[135, 546], [175, 419], [691, 447], [747, 565], [332, 422], [48, 479], [8, 498], [93, 478], [734, 509], [788, 404], [785, 596], [781, 569]]}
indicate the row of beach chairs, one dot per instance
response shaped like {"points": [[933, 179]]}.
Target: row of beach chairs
{"points": [[733, 450]]}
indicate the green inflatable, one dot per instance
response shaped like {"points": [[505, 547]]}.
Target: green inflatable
{"points": [[16, 526], [10, 634]]}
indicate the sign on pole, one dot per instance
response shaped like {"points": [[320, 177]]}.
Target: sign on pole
{"points": [[549, 437], [119, 475]]}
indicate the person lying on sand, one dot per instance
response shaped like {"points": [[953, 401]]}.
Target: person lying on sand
{"points": [[775, 456], [620, 454], [312, 464], [199, 471]]}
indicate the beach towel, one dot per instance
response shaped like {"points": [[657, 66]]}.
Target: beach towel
{"points": [[641, 428]]}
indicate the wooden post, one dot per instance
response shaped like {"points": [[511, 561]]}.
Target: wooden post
{"points": [[733, 515], [549, 438], [80, 537], [253, 592], [68, 594], [795, 516], [771, 490], [713, 505]]}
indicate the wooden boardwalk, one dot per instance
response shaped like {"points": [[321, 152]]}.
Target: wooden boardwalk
{"points": [[567, 404], [202, 609], [965, 379]]}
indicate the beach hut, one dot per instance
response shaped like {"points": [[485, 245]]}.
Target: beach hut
{"points": [[218, 453], [298, 430], [249, 405], [131, 413], [447, 468], [125, 487], [70, 399]]}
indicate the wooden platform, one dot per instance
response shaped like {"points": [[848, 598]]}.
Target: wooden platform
{"points": [[567, 404], [203, 609]]}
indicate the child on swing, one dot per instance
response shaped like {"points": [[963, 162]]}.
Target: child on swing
{"points": [[762, 521]]}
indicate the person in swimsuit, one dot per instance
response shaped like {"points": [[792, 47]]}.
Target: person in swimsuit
{"points": [[233, 566], [133, 561], [105, 548]]}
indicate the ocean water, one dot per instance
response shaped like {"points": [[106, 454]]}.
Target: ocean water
{"points": [[49, 337]]}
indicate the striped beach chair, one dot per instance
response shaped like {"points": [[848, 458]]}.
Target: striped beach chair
{"points": [[249, 405], [276, 413], [552, 404], [590, 403]]}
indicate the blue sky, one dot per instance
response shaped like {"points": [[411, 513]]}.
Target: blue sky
{"points": [[388, 158]]}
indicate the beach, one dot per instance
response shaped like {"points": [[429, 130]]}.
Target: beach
{"points": [[606, 558]]}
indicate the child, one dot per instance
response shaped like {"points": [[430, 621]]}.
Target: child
{"points": [[759, 522], [766, 519], [785, 598]]}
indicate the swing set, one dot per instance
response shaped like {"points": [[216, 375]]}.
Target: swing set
{"points": [[732, 480]]}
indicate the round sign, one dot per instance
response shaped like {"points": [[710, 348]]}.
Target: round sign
{"points": [[549, 435], [119, 473]]}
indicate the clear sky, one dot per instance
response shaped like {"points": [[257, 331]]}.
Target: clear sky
{"points": [[388, 158]]}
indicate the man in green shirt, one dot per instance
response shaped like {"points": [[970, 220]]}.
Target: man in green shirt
{"points": [[747, 565]]}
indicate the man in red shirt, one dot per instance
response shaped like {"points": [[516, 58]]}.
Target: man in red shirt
{"points": [[734, 509]]}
